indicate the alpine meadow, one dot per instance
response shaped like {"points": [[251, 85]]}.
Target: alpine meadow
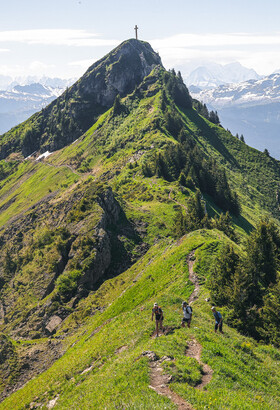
{"points": [[121, 193]]}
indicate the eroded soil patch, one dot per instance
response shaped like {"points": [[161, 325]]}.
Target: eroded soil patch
{"points": [[159, 383]]}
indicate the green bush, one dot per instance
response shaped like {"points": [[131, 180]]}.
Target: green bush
{"points": [[67, 284]]}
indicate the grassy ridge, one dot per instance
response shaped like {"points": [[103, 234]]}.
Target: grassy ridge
{"points": [[29, 184], [245, 375], [108, 330]]}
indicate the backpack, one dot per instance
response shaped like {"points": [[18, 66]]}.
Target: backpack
{"points": [[189, 309]]}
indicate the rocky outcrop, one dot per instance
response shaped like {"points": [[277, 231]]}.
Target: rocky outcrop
{"points": [[53, 324], [76, 241], [119, 72], [76, 110]]}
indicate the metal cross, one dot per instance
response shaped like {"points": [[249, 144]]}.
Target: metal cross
{"points": [[136, 33]]}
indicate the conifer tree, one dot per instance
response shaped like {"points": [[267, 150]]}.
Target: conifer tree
{"points": [[117, 107], [195, 214], [180, 224], [254, 275], [270, 314], [224, 224], [182, 179], [221, 281]]}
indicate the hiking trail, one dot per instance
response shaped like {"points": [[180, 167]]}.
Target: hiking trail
{"points": [[192, 276], [194, 348], [158, 380], [159, 383], [176, 202]]}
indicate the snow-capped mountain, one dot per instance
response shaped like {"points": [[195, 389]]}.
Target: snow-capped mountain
{"points": [[251, 108], [5, 81], [212, 75], [22, 101], [31, 79], [251, 92]]}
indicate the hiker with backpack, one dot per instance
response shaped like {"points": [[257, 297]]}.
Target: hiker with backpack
{"points": [[187, 315], [218, 320], [158, 313]]}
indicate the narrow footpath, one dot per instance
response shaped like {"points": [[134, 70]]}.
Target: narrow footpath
{"points": [[159, 383], [158, 380], [194, 348]]}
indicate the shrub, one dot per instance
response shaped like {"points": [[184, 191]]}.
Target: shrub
{"points": [[66, 284]]}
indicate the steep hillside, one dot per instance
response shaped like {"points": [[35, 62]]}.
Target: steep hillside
{"points": [[75, 110], [113, 350], [108, 221]]}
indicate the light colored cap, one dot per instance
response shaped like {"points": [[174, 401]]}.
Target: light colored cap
{"points": [[155, 304], [213, 308]]}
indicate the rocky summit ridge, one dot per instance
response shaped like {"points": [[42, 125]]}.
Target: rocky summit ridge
{"points": [[71, 114]]}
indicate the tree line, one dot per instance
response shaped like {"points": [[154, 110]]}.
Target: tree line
{"points": [[248, 285]]}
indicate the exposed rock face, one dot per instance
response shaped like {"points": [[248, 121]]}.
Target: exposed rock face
{"points": [[17, 367], [105, 79], [75, 111], [53, 323], [88, 244]]}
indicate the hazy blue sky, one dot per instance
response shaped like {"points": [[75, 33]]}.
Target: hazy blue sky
{"points": [[63, 37]]}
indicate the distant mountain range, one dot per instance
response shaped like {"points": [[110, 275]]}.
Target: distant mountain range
{"points": [[251, 108], [17, 104], [212, 75], [8, 82], [251, 92]]}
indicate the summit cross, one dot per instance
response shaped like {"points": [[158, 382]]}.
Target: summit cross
{"points": [[136, 31]]}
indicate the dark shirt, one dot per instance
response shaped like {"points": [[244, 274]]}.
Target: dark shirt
{"points": [[217, 316], [158, 312]]}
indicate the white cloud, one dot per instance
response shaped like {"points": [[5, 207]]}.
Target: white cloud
{"points": [[214, 40], [260, 52], [33, 68], [57, 37], [82, 63], [38, 66]]}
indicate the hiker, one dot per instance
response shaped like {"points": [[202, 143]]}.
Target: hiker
{"points": [[218, 320], [157, 311], [187, 312]]}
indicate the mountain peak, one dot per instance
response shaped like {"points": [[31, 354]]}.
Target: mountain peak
{"points": [[117, 73], [125, 68]]}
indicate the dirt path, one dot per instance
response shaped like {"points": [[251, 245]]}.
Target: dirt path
{"points": [[194, 348], [192, 276], [176, 202], [159, 383], [158, 380]]}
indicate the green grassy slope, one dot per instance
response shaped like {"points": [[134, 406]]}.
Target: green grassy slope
{"points": [[32, 182], [56, 194], [103, 366], [116, 147]]}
